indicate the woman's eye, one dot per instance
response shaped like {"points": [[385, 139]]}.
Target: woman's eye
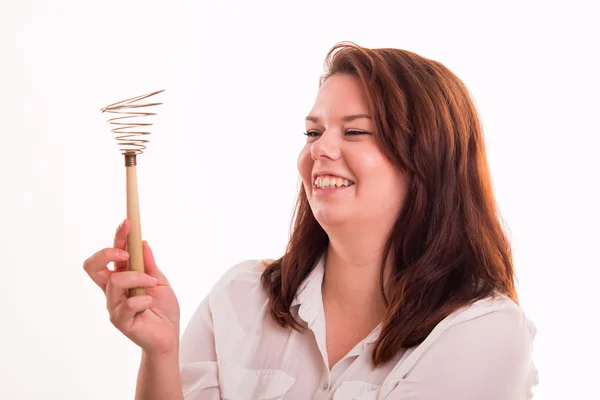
{"points": [[357, 133], [350, 132], [311, 133]]}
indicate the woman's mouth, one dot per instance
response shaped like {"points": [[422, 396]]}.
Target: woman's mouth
{"points": [[327, 185], [331, 182]]}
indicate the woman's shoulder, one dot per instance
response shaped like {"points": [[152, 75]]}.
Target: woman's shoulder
{"points": [[496, 304], [493, 329], [248, 271], [240, 285], [494, 316]]}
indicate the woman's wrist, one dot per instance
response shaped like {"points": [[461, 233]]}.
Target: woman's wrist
{"points": [[159, 377], [163, 356]]}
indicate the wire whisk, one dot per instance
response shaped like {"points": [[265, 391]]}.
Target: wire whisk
{"points": [[128, 130], [131, 136]]}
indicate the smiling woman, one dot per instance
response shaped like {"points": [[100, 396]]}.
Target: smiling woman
{"points": [[341, 145], [397, 282]]}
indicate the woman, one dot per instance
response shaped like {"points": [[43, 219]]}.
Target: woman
{"points": [[397, 282]]}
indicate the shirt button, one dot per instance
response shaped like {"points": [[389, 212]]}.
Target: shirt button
{"points": [[325, 386]]}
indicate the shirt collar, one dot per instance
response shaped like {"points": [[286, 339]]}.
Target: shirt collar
{"points": [[309, 296], [374, 335]]}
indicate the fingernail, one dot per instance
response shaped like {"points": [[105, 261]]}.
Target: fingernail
{"points": [[122, 254]]}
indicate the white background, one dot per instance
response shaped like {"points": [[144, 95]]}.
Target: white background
{"points": [[218, 181]]}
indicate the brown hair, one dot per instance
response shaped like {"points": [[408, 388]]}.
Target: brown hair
{"points": [[448, 245]]}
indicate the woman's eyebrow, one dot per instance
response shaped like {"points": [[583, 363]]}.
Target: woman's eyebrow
{"points": [[346, 118]]}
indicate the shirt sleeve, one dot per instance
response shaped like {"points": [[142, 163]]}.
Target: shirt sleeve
{"points": [[488, 357], [197, 357]]}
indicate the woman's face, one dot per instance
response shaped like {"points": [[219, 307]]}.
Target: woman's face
{"points": [[345, 175]]}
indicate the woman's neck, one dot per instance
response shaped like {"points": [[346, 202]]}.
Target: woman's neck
{"points": [[351, 283]]}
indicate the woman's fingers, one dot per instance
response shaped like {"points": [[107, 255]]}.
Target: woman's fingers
{"points": [[120, 242], [96, 265], [120, 282], [122, 316]]}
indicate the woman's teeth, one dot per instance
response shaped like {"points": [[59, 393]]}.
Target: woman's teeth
{"points": [[331, 182]]}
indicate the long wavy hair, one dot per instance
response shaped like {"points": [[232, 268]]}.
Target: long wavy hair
{"points": [[448, 245]]}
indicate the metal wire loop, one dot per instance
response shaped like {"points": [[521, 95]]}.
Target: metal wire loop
{"points": [[129, 130]]}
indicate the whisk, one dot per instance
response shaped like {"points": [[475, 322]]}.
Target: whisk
{"points": [[131, 133]]}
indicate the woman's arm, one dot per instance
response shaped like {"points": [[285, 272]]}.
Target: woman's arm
{"points": [[159, 378], [190, 372]]}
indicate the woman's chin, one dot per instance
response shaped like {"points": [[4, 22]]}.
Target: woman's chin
{"points": [[331, 217]]}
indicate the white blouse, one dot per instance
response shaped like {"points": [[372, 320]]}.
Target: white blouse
{"points": [[233, 350]]}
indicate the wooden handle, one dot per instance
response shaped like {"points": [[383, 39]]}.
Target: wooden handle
{"points": [[134, 239]]}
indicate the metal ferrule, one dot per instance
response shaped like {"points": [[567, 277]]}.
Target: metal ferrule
{"points": [[130, 159]]}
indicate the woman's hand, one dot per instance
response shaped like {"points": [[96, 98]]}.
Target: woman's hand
{"points": [[156, 329]]}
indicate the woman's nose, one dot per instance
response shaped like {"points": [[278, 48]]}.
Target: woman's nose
{"points": [[325, 147]]}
